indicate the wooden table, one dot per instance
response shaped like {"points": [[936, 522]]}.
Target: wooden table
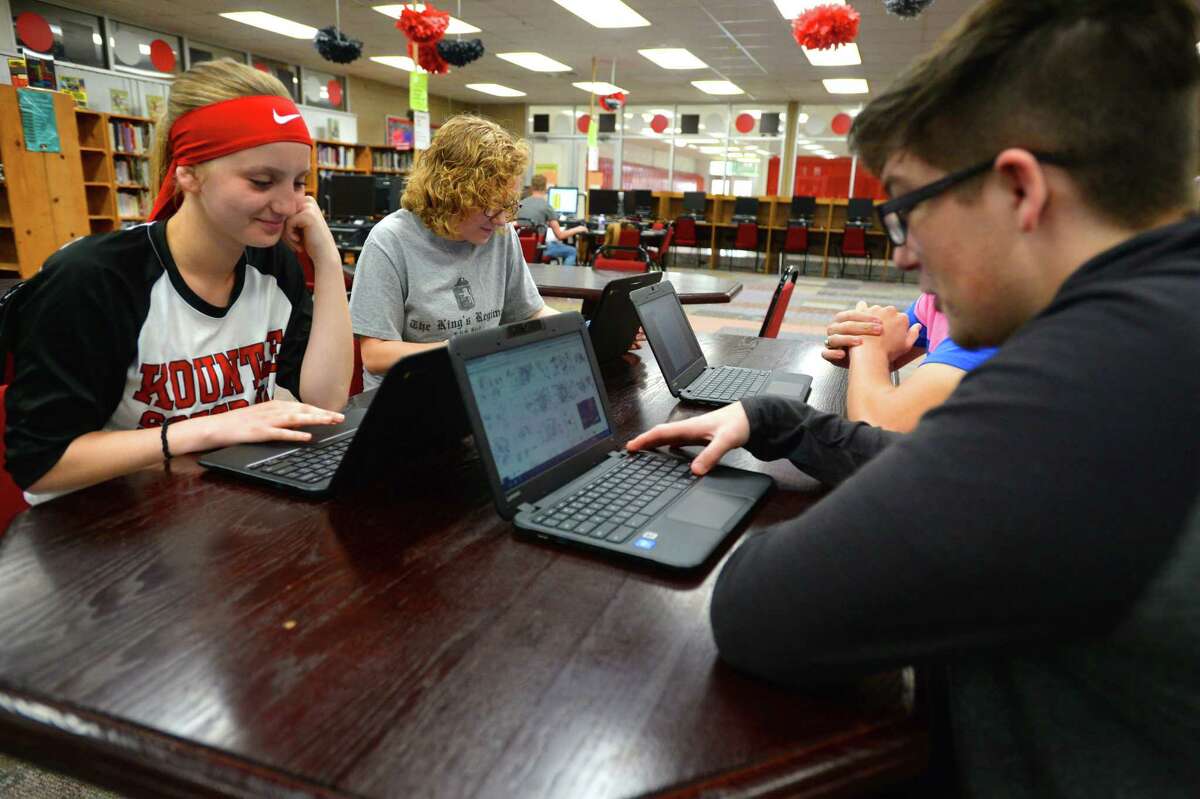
{"points": [[178, 633], [587, 284]]}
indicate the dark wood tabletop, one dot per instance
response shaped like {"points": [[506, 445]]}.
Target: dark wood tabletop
{"points": [[586, 283], [179, 633]]}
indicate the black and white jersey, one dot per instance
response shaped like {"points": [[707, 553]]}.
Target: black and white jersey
{"points": [[112, 338]]}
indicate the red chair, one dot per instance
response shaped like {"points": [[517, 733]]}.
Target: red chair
{"points": [[356, 379], [529, 248], [779, 303], [659, 254], [796, 241], [630, 236], [854, 243], [685, 235], [622, 259], [746, 239], [12, 499]]}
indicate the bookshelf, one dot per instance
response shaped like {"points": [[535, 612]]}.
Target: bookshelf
{"points": [[97, 170], [132, 138], [43, 204], [334, 157]]}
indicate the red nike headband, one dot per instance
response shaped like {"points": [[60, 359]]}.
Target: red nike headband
{"points": [[226, 127]]}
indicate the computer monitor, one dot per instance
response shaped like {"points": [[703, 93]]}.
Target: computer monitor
{"points": [[803, 207], [388, 189], [608, 123], [603, 201], [860, 209], [694, 202], [640, 201], [745, 206], [564, 200], [348, 196]]}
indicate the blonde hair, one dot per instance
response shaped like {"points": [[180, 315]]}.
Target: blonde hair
{"points": [[205, 84], [471, 164]]}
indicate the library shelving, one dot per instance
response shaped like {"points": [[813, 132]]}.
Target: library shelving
{"points": [[43, 204], [331, 157]]}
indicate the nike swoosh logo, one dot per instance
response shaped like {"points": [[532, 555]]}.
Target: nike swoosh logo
{"points": [[283, 120]]}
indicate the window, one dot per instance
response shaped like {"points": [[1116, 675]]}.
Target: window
{"points": [[77, 38], [198, 53], [324, 90], [288, 74], [144, 51]]}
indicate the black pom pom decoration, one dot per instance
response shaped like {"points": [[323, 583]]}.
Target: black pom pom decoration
{"points": [[460, 53], [906, 8], [333, 45]]}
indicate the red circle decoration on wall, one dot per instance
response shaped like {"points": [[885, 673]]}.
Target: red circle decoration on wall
{"points": [[659, 123], [335, 92], [582, 123], [162, 56], [34, 32], [261, 67], [841, 124], [744, 123]]}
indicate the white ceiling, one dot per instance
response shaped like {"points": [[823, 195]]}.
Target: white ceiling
{"points": [[746, 41]]}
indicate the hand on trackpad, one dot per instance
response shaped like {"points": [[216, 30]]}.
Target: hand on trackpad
{"points": [[705, 508]]}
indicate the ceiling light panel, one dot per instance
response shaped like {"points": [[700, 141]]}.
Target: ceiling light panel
{"points": [[605, 13], [272, 23], [535, 62], [599, 87], [790, 9], [717, 87], [845, 55], [846, 86], [456, 24], [673, 58], [398, 61], [495, 89]]}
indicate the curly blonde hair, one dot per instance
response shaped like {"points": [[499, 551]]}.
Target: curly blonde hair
{"points": [[472, 164]]}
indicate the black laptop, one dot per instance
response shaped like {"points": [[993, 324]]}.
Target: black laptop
{"points": [[546, 437], [614, 323], [687, 373], [417, 407]]}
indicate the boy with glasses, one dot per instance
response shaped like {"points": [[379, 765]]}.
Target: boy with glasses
{"points": [[1038, 535]]}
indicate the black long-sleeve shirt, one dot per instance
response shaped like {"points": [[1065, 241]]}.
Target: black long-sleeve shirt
{"points": [[1034, 534]]}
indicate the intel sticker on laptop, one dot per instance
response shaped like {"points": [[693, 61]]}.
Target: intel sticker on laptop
{"points": [[647, 541]]}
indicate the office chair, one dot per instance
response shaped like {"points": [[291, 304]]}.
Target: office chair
{"points": [[779, 303]]}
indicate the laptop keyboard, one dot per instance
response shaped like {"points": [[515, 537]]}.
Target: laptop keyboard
{"points": [[308, 465], [729, 383], [621, 501]]}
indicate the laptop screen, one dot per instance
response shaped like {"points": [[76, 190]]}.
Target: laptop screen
{"points": [[667, 327], [539, 404]]}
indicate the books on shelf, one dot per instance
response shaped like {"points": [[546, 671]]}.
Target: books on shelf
{"points": [[335, 155], [132, 171], [394, 160], [130, 137], [133, 204]]}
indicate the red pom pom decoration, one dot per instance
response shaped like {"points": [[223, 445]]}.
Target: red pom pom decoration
{"points": [[823, 27], [429, 59], [423, 27], [613, 102]]}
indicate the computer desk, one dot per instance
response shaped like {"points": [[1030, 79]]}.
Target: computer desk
{"points": [[179, 633], [587, 284]]}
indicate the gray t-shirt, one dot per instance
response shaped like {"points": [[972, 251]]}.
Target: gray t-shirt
{"points": [[536, 210], [413, 285]]}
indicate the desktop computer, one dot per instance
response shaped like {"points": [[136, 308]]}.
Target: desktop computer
{"points": [[860, 210], [640, 202], [694, 204], [745, 209], [388, 190], [603, 202], [349, 202], [802, 210], [564, 200]]}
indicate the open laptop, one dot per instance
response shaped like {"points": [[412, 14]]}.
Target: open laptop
{"points": [[687, 373], [614, 323], [545, 434], [417, 407]]}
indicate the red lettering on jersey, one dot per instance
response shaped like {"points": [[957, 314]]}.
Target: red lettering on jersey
{"points": [[239, 403], [151, 419], [183, 383], [206, 378], [230, 374], [253, 354], [154, 381]]}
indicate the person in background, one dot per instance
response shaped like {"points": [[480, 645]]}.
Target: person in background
{"points": [[875, 341], [1035, 541], [447, 262], [175, 336], [536, 209]]}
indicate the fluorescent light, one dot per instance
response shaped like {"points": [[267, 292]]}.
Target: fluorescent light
{"points": [[272, 23], [813, 147], [712, 150], [599, 87], [398, 61], [717, 87], [456, 25], [802, 118], [673, 58], [845, 55], [605, 13], [790, 9], [495, 89], [845, 85], [534, 61], [696, 141]]}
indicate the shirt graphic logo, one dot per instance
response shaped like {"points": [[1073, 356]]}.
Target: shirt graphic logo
{"points": [[284, 119], [463, 295]]}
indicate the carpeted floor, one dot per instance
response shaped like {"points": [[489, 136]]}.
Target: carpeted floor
{"points": [[813, 302]]}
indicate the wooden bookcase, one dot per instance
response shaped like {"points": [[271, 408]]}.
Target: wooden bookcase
{"points": [[42, 199], [359, 159], [116, 172]]}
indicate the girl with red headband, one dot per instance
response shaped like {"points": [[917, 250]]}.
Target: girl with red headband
{"points": [[173, 336]]}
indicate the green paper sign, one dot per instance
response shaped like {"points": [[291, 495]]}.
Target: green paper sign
{"points": [[594, 133], [418, 91]]}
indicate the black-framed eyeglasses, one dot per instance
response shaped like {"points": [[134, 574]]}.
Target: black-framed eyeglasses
{"points": [[893, 214]]}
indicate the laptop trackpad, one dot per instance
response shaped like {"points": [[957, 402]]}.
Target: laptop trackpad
{"points": [[783, 386], [705, 508]]}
